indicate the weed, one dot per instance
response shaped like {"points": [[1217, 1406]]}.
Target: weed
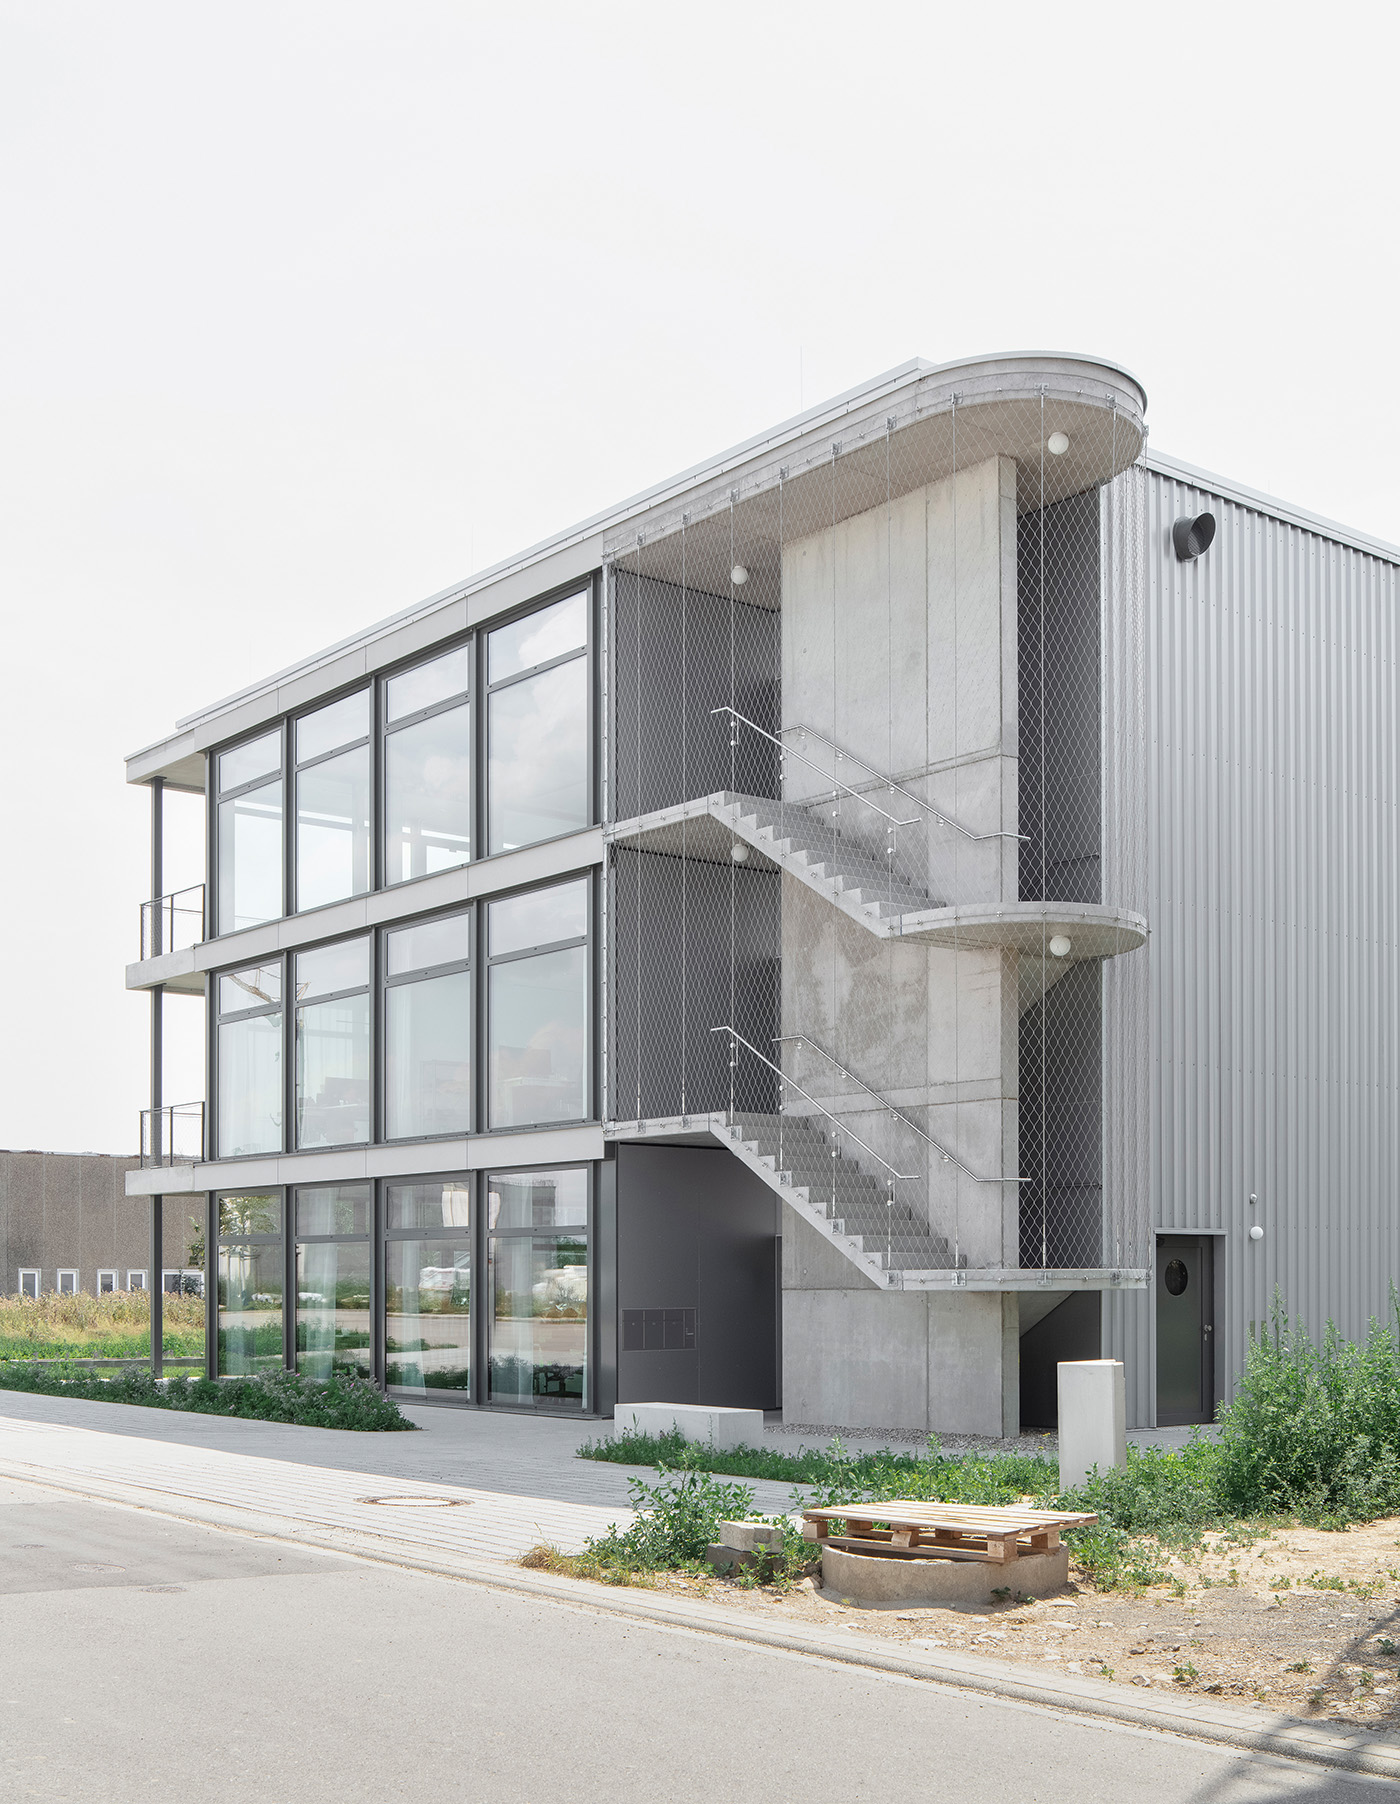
{"points": [[1281, 1583], [82, 1326], [1301, 1666], [1185, 1673], [1385, 1645], [1324, 1581]]}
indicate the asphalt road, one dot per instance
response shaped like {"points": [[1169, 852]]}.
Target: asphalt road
{"points": [[147, 1659]]}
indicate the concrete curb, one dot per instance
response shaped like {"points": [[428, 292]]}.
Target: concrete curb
{"points": [[1287, 1736]]}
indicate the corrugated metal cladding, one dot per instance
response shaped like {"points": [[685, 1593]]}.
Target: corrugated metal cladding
{"points": [[1273, 855]]}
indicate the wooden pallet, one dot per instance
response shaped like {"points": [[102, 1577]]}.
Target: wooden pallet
{"points": [[941, 1531]]}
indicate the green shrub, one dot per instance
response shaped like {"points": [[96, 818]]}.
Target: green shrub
{"points": [[1167, 1493], [342, 1401], [1314, 1429], [678, 1519]]}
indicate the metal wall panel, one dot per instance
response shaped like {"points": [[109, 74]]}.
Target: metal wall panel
{"points": [[1273, 850]]}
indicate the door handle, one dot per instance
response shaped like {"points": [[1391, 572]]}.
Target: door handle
{"points": [[1206, 1328]]}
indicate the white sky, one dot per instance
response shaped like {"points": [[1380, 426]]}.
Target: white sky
{"points": [[307, 309]]}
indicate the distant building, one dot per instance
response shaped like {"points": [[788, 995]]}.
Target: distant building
{"points": [[906, 902], [67, 1224]]}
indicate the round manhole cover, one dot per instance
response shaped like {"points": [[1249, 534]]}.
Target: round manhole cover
{"points": [[420, 1503]]}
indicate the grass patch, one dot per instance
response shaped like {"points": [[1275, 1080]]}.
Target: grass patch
{"points": [[115, 1326], [339, 1402]]}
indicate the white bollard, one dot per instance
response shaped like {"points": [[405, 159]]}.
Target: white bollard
{"points": [[1092, 1418]]}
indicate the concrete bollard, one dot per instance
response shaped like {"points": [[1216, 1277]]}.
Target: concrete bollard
{"points": [[1092, 1417]]}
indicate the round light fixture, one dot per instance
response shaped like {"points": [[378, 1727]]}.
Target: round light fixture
{"points": [[739, 852], [738, 576], [1256, 1232], [1059, 946], [1057, 444]]}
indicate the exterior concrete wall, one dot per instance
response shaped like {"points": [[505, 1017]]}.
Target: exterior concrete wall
{"points": [[69, 1211]]}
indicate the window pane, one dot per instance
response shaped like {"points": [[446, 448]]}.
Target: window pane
{"points": [[333, 1073], [539, 1321], [333, 812], [445, 942], [256, 987], [428, 1314], [427, 1205], [538, 765], [250, 1212], [326, 969], [258, 758], [427, 808], [250, 859], [537, 1199], [333, 1315], [250, 1086], [335, 1209], [250, 1308], [546, 634], [341, 724], [538, 1034], [540, 917], [428, 1036], [427, 684]]}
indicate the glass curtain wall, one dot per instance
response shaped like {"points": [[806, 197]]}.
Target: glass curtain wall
{"points": [[537, 725], [334, 1258], [538, 1006], [333, 1044], [537, 1227], [333, 789], [249, 1283], [428, 1287], [249, 1061], [249, 834], [427, 768], [428, 1029]]}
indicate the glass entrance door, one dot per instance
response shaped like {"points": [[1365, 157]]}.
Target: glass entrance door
{"points": [[538, 1267]]}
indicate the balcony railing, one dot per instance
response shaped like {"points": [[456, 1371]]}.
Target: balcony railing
{"points": [[173, 1135], [172, 923]]}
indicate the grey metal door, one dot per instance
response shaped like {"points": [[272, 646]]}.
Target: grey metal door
{"points": [[1185, 1329]]}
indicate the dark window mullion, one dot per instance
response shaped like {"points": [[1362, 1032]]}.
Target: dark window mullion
{"points": [[523, 676], [351, 745]]}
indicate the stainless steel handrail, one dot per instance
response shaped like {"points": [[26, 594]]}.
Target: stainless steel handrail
{"points": [[788, 752], [885, 1103], [902, 1176], [894, 788]]}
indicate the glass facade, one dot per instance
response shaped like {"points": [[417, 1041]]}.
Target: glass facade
{"points": [[538, 1006], [334, 789], [427, 768], [428, 1324], [537, 1225], [334, 1322], [333, 1044], [249, 1057], [249, 1282], [428, 1029], [249, 829], [537, 726]]}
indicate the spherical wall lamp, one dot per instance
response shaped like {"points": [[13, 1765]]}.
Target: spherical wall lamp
{"points": [[1191, 535], [739, 852], [738, 576], [1256, 1232], [1059, 946], [1057, 444]]}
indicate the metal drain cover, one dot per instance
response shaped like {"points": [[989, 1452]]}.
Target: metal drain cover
{"points": [[420, 1503]]}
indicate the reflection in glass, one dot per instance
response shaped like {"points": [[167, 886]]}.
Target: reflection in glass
{"points": [[333, 1060], [333, 828], [335, 1209], [250, 858], [256, 987], [545, 634], [427, 1056], [539, 1320], [254, 758], [427, 808], [342, 723], [250, 1086], [328, 969], [427, 1314], [250, 1308], [537, 1199], [427, 684], [540, 917], [247, 1212], [538, 1038], [440, 1205], [427, 943], [537, 766], [333, 1321]]}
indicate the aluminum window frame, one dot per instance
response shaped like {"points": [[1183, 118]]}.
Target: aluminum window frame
{"points": [[66, 1271], [217, 1240], [371, 1237], [384, 982], [214, 1020], [291, 1126], [107, 1271], [475, 1396], [30, 1271], [486, 962], [292, 809], [588, 1406], [138, 1272], [384, 729], [216, 796]]}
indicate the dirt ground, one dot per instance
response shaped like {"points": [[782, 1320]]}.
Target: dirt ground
{"points": [[1302, 1621]]}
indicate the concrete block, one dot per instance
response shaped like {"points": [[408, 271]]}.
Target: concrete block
{"points": [[876, 1579], [748, 1537], [696, 1421], [1092, 1418]]}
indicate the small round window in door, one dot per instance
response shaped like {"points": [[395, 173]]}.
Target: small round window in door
{"points": [[1176, 1277]]}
